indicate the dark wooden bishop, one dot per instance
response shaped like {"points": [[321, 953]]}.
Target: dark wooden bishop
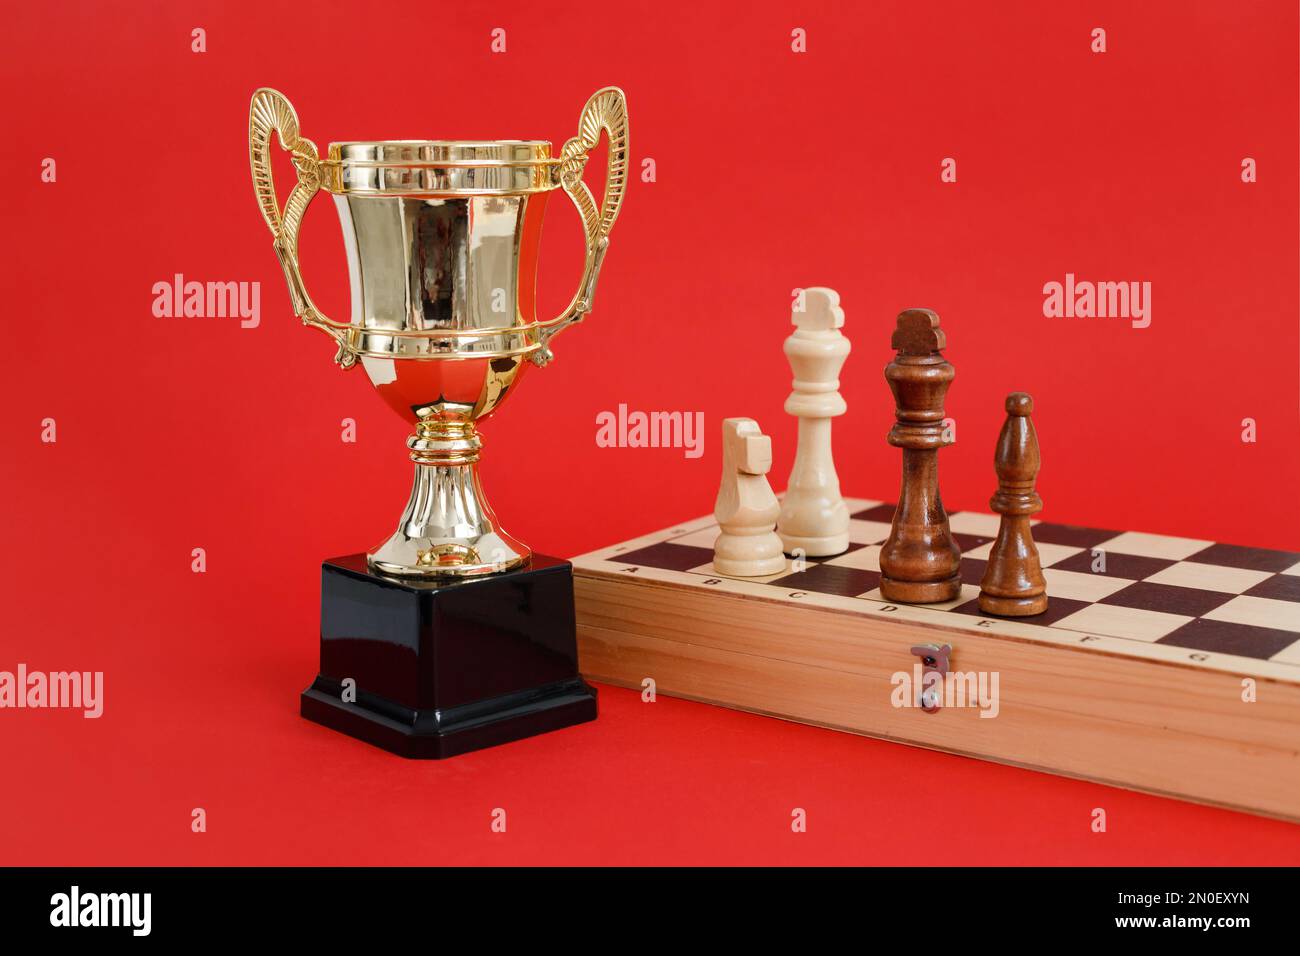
{"points": [[919, 563], [1013, 584]]}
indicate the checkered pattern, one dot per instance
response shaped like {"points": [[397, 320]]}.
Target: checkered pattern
{"points": [[1182, 592]]}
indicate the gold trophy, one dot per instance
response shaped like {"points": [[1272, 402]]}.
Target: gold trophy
{"points": [[442, 240]]}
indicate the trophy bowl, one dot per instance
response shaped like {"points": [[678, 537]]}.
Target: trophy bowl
{"points": [[442, 240]]}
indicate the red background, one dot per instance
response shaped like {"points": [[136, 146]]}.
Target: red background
{"points": [[774, 171]]}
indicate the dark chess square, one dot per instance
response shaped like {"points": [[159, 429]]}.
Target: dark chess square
{"points": [[1225, 637], [883, 513], [670, 557], [1168, 598], [1071, 535], [1058, 608], [1254, 559], [830, 579], [1134, 567], [1280, 587]]}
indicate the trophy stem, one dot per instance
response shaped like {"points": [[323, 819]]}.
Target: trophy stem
{"points": [[448, 529]]}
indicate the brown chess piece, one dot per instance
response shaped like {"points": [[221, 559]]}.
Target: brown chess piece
{"points": [[919, 563], [1013, 584]]}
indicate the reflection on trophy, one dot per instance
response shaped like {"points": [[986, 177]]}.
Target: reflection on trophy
{"points": [[442, 241]]}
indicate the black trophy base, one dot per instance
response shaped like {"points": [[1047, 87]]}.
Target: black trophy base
{"points": [[431, 670], [497, 721]]}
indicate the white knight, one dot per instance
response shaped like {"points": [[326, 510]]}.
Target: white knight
{"points": [[746, 509]]}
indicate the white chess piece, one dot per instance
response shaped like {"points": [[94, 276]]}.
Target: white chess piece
{"points": [[813, 516], [746, 509]]}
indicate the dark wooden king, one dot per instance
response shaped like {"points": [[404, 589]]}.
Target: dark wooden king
{"points": [[919, 563]]}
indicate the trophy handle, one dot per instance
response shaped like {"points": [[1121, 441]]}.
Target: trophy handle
{"points": [[606, 110], [271, 111]]}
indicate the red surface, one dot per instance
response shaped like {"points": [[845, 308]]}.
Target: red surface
{"points": [[775, 170]]}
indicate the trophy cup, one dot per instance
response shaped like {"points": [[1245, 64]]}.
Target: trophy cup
{"points": [[451, 635]]}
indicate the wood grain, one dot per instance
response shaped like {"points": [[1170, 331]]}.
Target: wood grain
{"points": [[1131, 722]]}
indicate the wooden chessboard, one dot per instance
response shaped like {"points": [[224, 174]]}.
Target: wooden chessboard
{"points": [[1138, 674]]}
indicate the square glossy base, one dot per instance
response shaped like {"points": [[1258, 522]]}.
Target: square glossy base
{"points": [[431, 670]]}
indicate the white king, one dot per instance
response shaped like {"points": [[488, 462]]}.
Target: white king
{"points": [[813, 516]]}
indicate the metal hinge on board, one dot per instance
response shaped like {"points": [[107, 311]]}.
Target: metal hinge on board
{"points": [[934, 671]]}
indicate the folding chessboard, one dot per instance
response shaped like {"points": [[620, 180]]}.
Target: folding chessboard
{"points": [[1163, 664]]}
